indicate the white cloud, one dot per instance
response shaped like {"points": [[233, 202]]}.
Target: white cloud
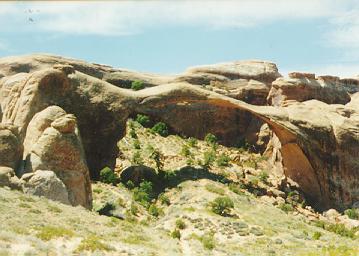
{"points": [[127, 17]]}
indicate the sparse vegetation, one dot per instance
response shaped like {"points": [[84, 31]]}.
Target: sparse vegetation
{"points": [[286, 207], [263, 176], [136, 144], [317, 235], [93, 243], [47, 233], [164, 199], [137, 158], [192, 142], [208, 241], [108, 176], [222, 205], [154, 210], [137, 85], [215, 189]]}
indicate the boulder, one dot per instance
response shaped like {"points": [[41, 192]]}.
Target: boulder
{"points": [[46, 184], [139, 173], [8, 178], [10, 146], [58, 148]]}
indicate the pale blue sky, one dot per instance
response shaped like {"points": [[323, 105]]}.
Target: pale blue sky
{"points": [[321, 36]]}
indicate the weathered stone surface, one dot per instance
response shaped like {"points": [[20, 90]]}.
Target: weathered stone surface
{"points": [[319, 143], [58, 148], [47, 184], [8, 178], [10, 146], [303, 86]]}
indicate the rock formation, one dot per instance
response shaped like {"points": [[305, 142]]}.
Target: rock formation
{"points": [[317, 130]]}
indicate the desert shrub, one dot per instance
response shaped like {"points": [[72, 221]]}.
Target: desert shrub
{"points": [[133, 133], [164, 199], [47, 233], [185, 151], [154, 210], [222, 205], [208, 158], [210, 138], [130, 184], [215, 189], [137, 85], [136, 144], [340, 229], [157, 157], [352, 214], [317, 235], [176, 234], [144, 193], [263, 176], [286, 207], [192, 142], [93, 243], [137, 158], [143, 120], [108, 176], [235, 188], [180, 224], [160, 128], [134, 209], [223, 160], [208, 241]]}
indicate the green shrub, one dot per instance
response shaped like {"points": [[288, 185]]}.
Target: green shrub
{"points": [[136, 144], [160, 128], [185, 151], [134, 209], [157, 157], [235, 188], [133, 133], [164, 199], [144, 193], [223, 160], [47, 233], [210, 138], [208, 241], [176, 234], [286, 207], [341, 230], [352, 214], [208, 158], [317, 235], [215, 189], [108, 176], [154, 210], [137, 158], [143, 120], [130, 184], [222, 205], [263, 176], [192, 142], [180, 224], [93, 243], [137, 85]]}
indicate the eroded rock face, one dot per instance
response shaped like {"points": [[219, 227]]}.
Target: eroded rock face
{"points": [[318, 141], [53, 143], [304, 86]]}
